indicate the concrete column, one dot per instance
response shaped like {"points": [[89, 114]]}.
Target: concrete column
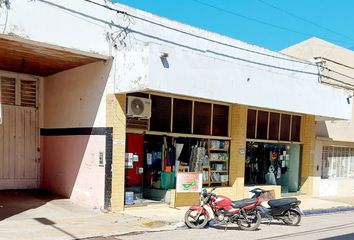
{"points": [[310, 175], [238, 149], [115, 111]]}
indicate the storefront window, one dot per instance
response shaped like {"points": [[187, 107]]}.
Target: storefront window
{"points": [[337, 162], [262, 125], [202, 118], [285, 127], [160, 114], [273, 164], [182, 116], [207, 118], [274, 120], [295, 128], [220, 120], [251, 123]]}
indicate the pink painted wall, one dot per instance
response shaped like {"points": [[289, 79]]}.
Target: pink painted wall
{"points": [[70, 167]]}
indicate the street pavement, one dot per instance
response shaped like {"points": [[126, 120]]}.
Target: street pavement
{"points": [[339, 226], [36, 215]]}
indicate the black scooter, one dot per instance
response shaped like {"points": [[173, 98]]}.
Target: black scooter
{"points": [[286, 209]]}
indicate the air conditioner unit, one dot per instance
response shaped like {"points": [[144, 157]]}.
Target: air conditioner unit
{"points": [[139, 107]]}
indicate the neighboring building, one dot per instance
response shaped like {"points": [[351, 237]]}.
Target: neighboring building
{"points": [[334, 139], [70, 68]]}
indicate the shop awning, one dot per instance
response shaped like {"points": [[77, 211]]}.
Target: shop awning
{"points": [[41, 59], [262, 81]]}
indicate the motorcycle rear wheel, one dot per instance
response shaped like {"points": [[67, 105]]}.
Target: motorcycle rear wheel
{"points": [[192, 220], [255, 220], [291, 218]]}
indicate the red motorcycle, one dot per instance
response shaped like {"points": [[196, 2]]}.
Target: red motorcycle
{"points": [[244, 212]]}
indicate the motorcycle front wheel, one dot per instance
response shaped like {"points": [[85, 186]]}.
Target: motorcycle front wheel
{"points": [[196, 220], [291, 218], [254, 218]]}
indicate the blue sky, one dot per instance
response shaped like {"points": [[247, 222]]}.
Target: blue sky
{"points": [[262, 22]]}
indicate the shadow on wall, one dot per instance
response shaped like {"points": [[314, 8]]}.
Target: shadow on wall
{"points": [[74, 102], [63, 157], [321, 129]]}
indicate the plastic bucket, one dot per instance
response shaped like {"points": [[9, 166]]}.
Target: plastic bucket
{"points": [[129, 198]]}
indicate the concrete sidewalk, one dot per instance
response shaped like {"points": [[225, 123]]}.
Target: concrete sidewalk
{"points": [[61, 219], [53, 221], [37, 215]]}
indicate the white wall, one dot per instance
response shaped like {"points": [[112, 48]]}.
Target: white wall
{"points": [[205, 64], [342, 130], [76, 97], [223, 80], [336, 187], [331, 187], [70, 167]]}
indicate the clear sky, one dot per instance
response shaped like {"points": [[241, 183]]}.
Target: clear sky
{"points": [[273, 24]]}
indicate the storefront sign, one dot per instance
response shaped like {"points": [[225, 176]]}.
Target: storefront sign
{"points": [[135, 158], [189, 182], [129, 160]]}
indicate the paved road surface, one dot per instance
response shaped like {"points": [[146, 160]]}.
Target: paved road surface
{"points": [[339, 226]]}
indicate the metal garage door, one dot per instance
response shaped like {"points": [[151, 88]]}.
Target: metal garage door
{"points": [[19, 133]]}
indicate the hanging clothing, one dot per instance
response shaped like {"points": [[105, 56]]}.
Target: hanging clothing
{"points": [[270, 177]]}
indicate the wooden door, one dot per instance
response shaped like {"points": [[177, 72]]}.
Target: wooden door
{"points": [[19, 135]]}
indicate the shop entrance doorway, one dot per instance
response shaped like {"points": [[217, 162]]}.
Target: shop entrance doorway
{"points": [[153, 161], [150, 167], [273, 164]]}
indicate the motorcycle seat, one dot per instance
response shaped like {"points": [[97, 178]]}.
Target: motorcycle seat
{"points": [[282, 202], [244, 202]]}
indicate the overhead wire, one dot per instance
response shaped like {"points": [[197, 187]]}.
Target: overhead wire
{"points": [[338, 63], [294, 60], [258, 21], [305, 20], [336, 72], [290, 59], [337, 80], [339, 73], [339, 86]]}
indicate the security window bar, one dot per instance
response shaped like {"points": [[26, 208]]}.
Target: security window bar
{"points": [[337, 162]]}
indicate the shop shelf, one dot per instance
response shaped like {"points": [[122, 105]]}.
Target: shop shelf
{"points": [[218, 149]]}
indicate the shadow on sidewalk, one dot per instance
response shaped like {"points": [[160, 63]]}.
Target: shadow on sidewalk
{"points": [[48, 222], [13, 202], [349, 236]]}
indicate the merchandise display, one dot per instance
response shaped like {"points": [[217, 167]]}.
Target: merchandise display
{"points": [[269, 163], [218, 166], [166, 156]]}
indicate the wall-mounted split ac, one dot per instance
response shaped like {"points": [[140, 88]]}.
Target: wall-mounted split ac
{"points": [[139, 107]]}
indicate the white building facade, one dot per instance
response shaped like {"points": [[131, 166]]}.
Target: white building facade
{"points": [[334, 139], [62, 61]]}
